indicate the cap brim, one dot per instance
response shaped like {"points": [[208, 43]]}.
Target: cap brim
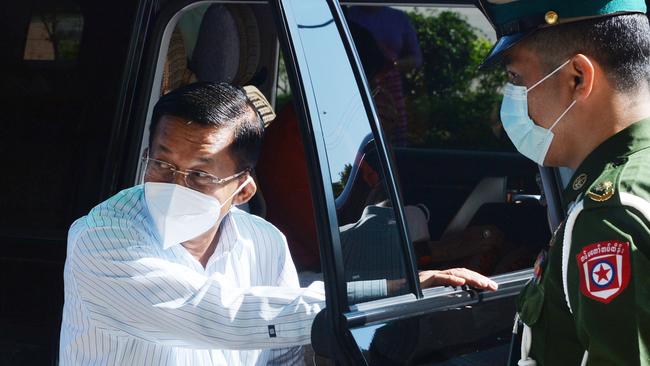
{"points": [[503, 44]]}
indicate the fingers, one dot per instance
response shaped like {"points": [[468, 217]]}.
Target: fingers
{"points": [[449, 279], [439, 278], [473, 279], [456, 277]]}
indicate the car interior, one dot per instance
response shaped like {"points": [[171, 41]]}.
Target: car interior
{"points": [[483, 207]]}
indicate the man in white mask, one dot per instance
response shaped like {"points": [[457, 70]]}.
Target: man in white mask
{"points": [[170, 273], [579, 96]]}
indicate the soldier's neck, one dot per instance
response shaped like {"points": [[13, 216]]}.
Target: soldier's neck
{"points": [[610, 115]]}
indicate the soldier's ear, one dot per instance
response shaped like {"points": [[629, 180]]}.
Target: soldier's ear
{"points": [[583, 71]]}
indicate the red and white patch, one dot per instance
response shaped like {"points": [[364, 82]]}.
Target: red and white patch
{"points": [[604, 269]]}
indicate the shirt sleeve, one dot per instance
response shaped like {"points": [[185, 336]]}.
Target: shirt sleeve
{"points": [[287, 277], [610, 289], [128, 290], [361, 291]]}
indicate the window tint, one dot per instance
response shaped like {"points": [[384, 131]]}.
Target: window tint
{"points": [[371, 244], [61, 71], [59, 106], [54, 36], [471, 199]]}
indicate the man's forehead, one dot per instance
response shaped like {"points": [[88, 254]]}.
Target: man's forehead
{"points": [[178, 126], [513, 58], [175, 131]]}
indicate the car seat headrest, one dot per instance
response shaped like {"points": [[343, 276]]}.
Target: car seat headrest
{"points": [[228, 47]]}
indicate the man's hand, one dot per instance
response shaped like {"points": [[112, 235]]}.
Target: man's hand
{"points": [[456, 277]]}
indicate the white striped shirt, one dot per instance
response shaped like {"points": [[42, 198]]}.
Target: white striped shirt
{"points": [[129, 301]]}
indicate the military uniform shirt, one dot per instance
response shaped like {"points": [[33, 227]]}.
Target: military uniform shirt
{"points": [[593, 292]]}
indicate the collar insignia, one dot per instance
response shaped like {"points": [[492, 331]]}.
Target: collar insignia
{"points": [[580, 181], [602, 191]]}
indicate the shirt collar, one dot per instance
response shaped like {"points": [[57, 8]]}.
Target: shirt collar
{"points": [[228, 234], [634, 138]]}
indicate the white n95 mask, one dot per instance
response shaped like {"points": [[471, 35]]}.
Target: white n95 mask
{"points": [[180, 213], [531, 140]]}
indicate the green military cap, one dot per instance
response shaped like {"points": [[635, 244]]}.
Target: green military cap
{"points": [[513, 20]]}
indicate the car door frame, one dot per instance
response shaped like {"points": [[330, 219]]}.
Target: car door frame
{"points": [[418, 302]]}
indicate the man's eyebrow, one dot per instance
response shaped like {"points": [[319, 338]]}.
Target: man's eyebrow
{"points": [[164, 148], [202, 159], [206, 160]]}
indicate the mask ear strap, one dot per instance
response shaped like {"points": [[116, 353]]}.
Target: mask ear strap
{"points": [[549, 75], [562, 115], [248, 180]]}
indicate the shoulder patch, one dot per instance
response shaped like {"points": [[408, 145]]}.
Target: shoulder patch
{"points": [[604, 269]]}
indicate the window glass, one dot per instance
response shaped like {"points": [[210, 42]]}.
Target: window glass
{"points": [[59, 107], [54, 36], [58, 94], [471, 200], [371, 244]]}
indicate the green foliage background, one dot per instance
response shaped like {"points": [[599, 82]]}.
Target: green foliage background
{"points": [[450, 103]]}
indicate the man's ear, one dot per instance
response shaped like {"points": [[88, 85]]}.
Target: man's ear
{"points": [[246, 193], [583, 72]]}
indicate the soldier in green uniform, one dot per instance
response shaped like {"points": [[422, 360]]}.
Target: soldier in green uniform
{"points": [[578, 96]]}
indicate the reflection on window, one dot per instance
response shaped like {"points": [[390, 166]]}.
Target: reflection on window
{"points": [[283, 89], [422, 65], [371, 243], [54, 36], [461, 177]]}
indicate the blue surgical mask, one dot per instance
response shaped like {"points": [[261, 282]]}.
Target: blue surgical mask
{"points": [[531, 140]]}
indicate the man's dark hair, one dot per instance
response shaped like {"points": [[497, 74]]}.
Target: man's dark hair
{"points": [[620, 44], [221, 106]]}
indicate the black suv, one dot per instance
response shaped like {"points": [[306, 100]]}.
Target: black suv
{"points": [[381, 114]]}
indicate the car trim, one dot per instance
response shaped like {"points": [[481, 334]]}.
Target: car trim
{"points": [[436, 299], [381, 144]]}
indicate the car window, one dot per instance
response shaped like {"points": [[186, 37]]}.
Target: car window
{"points": [[61, 70], [58, 111], [372, 248], [470, 199]]}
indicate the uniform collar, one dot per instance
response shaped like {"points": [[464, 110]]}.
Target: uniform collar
{"points": [[614, 150]]}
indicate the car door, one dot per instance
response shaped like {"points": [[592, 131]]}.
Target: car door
{"points": [[63, 63], [411, 325]]}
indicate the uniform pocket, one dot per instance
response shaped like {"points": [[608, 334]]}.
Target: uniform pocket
{"points": [[530, 302]]}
